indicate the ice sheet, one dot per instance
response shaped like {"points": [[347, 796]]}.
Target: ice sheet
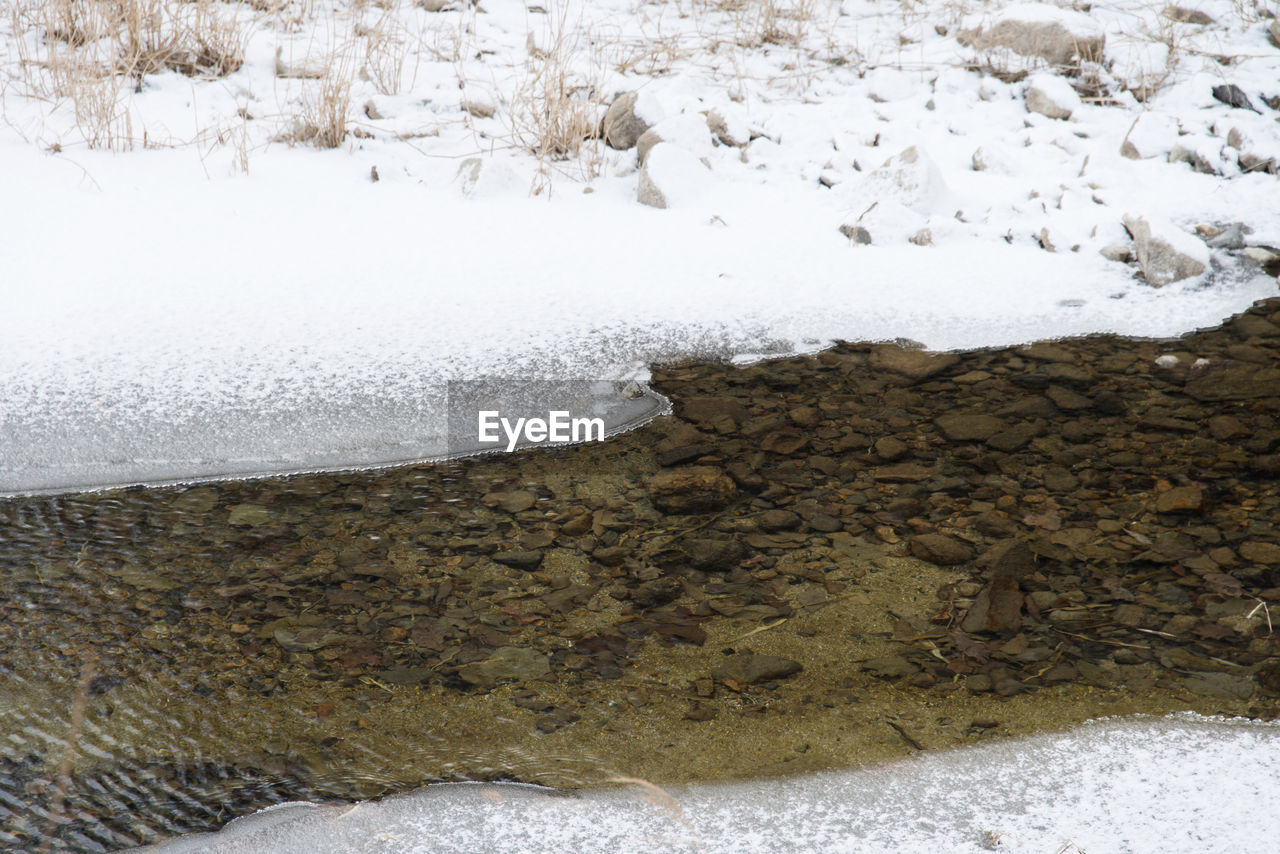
{"points": [[1179, 784]]}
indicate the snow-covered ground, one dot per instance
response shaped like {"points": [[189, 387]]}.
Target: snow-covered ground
{"points": [[194, 285], [1164, 786]]}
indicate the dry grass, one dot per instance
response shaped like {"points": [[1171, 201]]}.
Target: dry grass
{"points": [[556, 109], [92, 52], [326, 107]]}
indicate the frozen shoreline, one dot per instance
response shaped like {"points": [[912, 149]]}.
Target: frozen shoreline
{"points": [[1183, 783], [167, 315]]}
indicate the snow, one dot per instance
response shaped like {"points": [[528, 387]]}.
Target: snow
{"points": [[192, 290], [1179, 784]]}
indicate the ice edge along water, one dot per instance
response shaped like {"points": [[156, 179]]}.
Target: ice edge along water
{"points": [[1182, 783]]}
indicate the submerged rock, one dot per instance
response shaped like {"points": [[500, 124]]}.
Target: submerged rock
{"points": [[508, 663]]}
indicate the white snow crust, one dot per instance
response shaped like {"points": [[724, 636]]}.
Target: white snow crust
{"points": [[166, 315], [1178, 785]]}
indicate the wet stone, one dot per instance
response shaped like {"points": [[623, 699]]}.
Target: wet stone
{"points": [[249, 515], [910, 365], [969, 427], [750, 668], [1180, 499], [940, 549], [693, 489], [890, 667], [519, 559], [712, 554], [508, 663]]}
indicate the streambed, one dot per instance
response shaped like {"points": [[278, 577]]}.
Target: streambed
{"points": [[817, 562]]}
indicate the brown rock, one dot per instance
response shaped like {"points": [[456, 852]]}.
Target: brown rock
{"points": [[890, 448], [903, 473], [512, 502], [890, 667], [940, 549], [778, 520], [997, 608], [693, 489], [1264, 553], [805, 416], [1009, 559], [969, 426], [1065, 398], [1234, 382], [786, 441], [709, 554], [912, 365], [707, 412], [1180, 499], [748, 667], [519, 559]]}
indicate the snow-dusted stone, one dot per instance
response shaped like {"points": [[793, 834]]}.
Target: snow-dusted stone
{"points": [[910, 178], [1060, 37], [729, 127], [1255, 155], [893, 202], [1273, 33], [1165, 252], [485, 177], [306, 68], [886, 85], [1231, 237], [669, 176], [479, 109], [648, 140], [858, 236], [690, 131], [1186, 15], [1151, 135], [1117, 252], [1050, 95], [629, 116], [1204, 153]]}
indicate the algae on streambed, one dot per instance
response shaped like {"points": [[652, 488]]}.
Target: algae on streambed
{"points": [[952, 547]]}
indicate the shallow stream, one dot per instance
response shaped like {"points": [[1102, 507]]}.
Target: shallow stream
{"points": [[819, 562]]}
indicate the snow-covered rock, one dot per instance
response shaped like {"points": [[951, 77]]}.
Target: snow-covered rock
{"points": [[299, 67], [1259, 152], [1050, 95], [893, 202], [690, 131], [910, 178], [1203, 153], [1152, 135], [1165, 252], [1116, 252], [670, 176], [729, 126], [486, 177], [1187, 15], [629, 116], [1060, 37]]}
